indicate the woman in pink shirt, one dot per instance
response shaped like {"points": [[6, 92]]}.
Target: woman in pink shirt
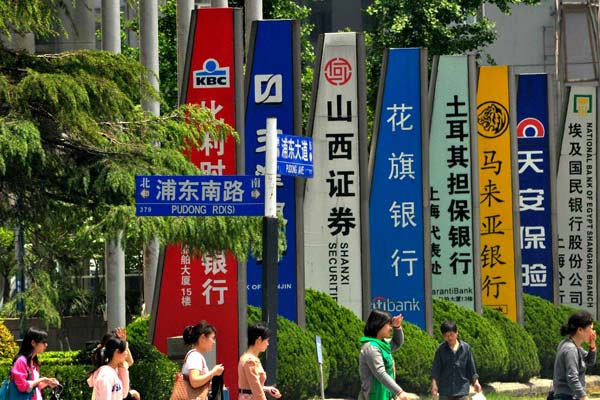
{"points": [[105, 378], [25, 372]]}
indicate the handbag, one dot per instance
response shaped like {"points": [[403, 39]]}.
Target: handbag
{"points": [[4, 389], [56, 392], [182, 390]]}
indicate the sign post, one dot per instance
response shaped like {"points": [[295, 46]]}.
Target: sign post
{"points": [[320, 361]]}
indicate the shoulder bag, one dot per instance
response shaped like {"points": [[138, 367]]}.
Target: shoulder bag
{"points": [[183, 390]]}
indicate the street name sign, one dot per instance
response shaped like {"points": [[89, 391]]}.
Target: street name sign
{"points": [[199, 196], [295, 155]]}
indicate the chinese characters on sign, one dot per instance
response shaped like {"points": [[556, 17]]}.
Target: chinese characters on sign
{"points": [[272, 92], [396, 202], [295, 156], [332, 217], [577, 230], [498, 276], [534, 185], [200, 196], [451, 190]]}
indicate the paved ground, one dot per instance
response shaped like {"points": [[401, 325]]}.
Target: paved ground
{"points": [[534, 388]]}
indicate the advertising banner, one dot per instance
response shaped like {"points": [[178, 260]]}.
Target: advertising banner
{"points": [[332, 211], [396, 201], [498, 277], [192, 287], [271, 91], [451, 204], [533, 137], [577, 223]]}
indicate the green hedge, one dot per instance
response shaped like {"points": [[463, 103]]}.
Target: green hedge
{"points": [[340, 330], [523, 361], [489, 348], [414, 359], [298, 374]]}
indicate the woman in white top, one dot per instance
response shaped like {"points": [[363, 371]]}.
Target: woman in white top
{"points": [[105, 378], [202, 338]]}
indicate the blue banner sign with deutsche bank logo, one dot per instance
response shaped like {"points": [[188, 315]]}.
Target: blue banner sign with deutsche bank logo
{"points": [[295, 156], [199, 196], [270, 91], [396, 206], [534, 185]]}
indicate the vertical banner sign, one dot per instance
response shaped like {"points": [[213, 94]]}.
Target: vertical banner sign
{"points": [[332, 215], [396, 202], [451, 185], [534, 185], [270, 93], [205, 287], [577, 230], [498, 283]]}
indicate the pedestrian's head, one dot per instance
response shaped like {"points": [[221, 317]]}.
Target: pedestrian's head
{"points": [[378, 319], [202, 336], [111, 348], [34, 342], [258, 335], [449, 331], [579, 323]]}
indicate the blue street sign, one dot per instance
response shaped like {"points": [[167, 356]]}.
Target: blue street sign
{"points": [[199, 196], [295, 155]]}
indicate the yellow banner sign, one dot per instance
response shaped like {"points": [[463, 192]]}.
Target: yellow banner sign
{"points": [[495, 192]]}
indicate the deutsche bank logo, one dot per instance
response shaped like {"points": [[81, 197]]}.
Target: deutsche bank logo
{"points": [[268, 89], [211, 76]]}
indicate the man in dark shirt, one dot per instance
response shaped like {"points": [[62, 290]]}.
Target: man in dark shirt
{"points": [[453, 366]]}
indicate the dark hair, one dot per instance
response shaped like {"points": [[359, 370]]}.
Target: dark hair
{"points": [[377, 319], [192, 333], [103, 354], [448, 326], [581, 319], [26, 349], [258, 330]]}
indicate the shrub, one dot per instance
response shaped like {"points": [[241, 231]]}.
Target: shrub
{"points": [[523, 361], [72, 377], [8, 346], [298, 375], [414, 359], [543, 321], [340, 330], [489, 348]]}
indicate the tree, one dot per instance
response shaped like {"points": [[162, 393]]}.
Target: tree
{"points": [[441, 26]]}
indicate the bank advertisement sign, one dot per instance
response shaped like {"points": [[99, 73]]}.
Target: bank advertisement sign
{"points": [[498, 278], [195, 287], [577, 224], [332, 214], [396, 202], [450, 179], [535, 202], [270, 93]]}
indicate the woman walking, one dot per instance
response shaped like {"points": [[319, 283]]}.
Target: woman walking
{"points": [[201, 337], [376, 364], [25, 372], [571, 359], [105, 378], [251, 375]]}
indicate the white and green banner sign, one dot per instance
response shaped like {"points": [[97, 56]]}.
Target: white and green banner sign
{"points": [[451, 191], [576, 203]]}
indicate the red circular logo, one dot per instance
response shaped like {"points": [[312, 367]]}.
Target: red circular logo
{"points": [[338, 71]]}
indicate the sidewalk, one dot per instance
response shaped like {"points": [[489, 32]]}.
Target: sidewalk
{"points": [[534, 388]]}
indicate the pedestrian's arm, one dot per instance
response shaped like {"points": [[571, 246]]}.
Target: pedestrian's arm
{"points": [[472, 372], [572, 372], [434, 388], [253, 378], [397, 338], [374, 361]]}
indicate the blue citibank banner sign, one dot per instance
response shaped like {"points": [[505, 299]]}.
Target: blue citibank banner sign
{"points": [[396, 206], [534, 185], [270, 93]]}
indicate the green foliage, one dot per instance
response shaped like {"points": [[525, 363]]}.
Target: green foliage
{"points": [[340, 330], [298, 375], [523, 362], [39, 299], [414, 359], [489, 348], [153, 378], [441, 26], [543, 321], [37, 16], [8, 346]]}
